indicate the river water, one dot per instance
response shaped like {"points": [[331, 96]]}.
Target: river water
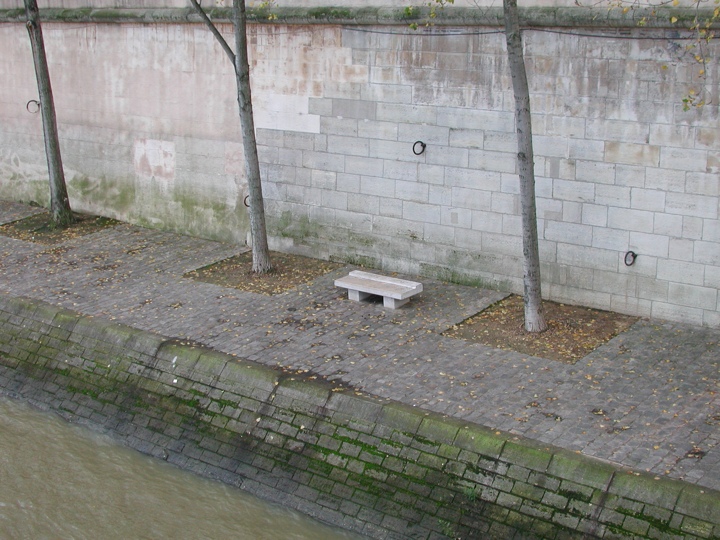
{"points": [[64, 481]]}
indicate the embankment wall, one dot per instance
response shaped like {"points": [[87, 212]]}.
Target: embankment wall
{"points": [[369, 465], [150, 135]]}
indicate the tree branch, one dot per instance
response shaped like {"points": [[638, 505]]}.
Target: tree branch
{"points": [[215, 32]]}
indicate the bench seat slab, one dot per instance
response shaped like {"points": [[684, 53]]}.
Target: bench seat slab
{"points": [[395, 292], [379, 285]]}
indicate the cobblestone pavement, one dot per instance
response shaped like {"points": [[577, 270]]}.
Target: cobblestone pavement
{"points": [[649, 399]]}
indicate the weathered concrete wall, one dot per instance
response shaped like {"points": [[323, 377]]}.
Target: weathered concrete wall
{"points": [[150, 135], [370, 465]]}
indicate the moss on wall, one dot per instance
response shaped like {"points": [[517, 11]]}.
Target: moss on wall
{"points": [[379, 467]]}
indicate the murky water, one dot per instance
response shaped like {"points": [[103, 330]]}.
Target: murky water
{"points": [[63, 481]]}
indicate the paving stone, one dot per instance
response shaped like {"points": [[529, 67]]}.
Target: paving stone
{"points": [[659, 380]]}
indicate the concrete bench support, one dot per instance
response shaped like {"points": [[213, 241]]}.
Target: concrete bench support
{"points": [[395, 292]]}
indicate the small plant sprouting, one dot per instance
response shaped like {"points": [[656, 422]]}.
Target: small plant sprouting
{"points": [[470, 493], [446, 528], [433, 5]]}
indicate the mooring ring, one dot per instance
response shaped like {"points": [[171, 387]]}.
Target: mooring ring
{"points": [[245, 201], [422, 147], [35, 108], [630, 257]]}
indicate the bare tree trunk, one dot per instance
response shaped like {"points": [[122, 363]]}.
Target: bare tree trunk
{"points": [[534, 320], [260, 250], [60, 210]]}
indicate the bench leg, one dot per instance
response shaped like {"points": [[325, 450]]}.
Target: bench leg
{"points": [[392, 303], [358, 296]]}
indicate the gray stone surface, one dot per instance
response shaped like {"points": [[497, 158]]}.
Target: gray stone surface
{"points": [[657, 384]]}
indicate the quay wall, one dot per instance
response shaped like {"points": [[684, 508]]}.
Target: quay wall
{"points": [[150, 135], [373, 466]]}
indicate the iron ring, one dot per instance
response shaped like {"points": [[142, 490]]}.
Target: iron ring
{"points": [[630, 257]]}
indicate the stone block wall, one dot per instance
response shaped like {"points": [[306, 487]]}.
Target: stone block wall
{"points": [[149, 130], [620, 167], [369, 465]]}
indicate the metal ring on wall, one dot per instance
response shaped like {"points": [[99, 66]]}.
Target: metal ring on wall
{"points": [[422, 147], [630, 257], [35, 108], [245, 201]]}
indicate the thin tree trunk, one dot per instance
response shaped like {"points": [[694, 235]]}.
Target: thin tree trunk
{"points": [[534, 320], [60, 210], [260, 250], [239, 58]]}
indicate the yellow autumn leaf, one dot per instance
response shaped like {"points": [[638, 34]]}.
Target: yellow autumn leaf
{"points": [[625, 10], [673, 20], [676, 2], [701, 72]]}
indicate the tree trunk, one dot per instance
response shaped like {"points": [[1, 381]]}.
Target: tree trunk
{"points": [[60, 210], [534, 320], [260, 251], [239, 58]]}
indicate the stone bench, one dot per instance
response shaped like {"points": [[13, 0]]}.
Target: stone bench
{"points": [[395, 292]]}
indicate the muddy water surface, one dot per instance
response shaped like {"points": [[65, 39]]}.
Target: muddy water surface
{"points": [[64, 481]]}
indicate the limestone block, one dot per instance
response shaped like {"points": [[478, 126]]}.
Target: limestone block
{"points": [[681, 272], [692, 205], [650, 244]]}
